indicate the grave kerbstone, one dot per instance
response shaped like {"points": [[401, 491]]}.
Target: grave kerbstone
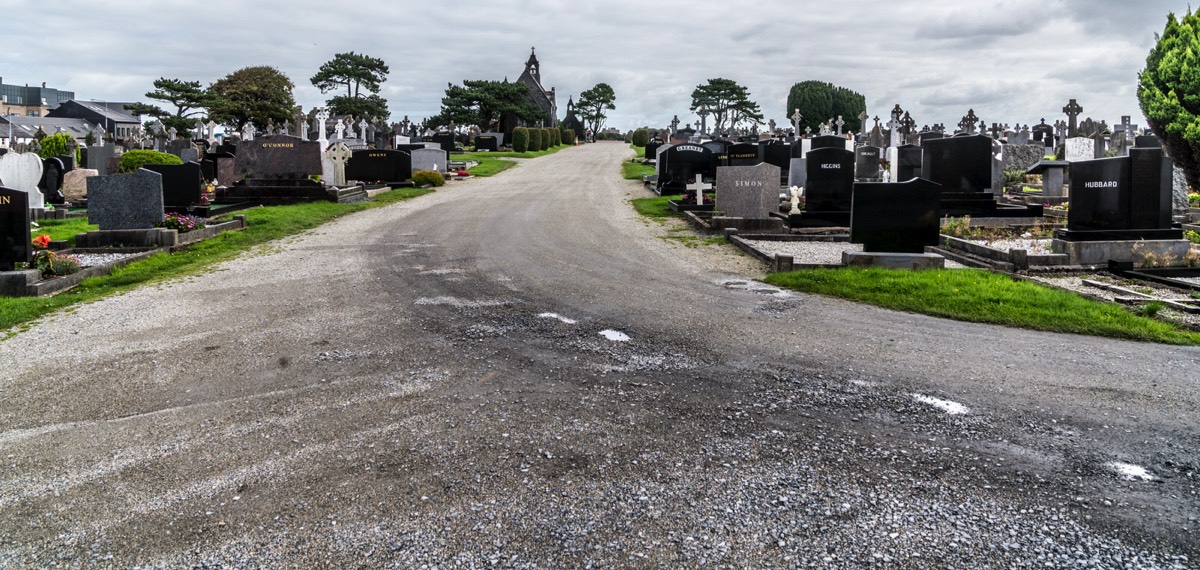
{"points": [[125, 201], [747, 191]]}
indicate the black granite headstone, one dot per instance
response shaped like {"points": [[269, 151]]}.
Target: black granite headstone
{"points": [[486, 142], [182, 184], [908, 159], [742, 154], [1121, 198], [929, 136], [385, 166], [958, 164], [651, 150], [446, 140], [896, 217], [278, 157], [682, 163], [866, 162], [68, 162], [827, 141], [779, 154], [15, 244], [52, 180], [830, 182], [1147, 141]]}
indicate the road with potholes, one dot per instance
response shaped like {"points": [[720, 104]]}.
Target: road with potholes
{"points": [[520, 372]]}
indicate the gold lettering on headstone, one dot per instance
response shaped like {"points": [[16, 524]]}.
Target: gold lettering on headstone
{"points": [[278, 145], [5, 199], [377, 155]]}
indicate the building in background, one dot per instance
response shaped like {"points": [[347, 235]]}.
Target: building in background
{"points": [[29, 101]]}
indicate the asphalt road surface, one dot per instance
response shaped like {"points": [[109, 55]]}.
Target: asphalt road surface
{"points": [[521, 372]]}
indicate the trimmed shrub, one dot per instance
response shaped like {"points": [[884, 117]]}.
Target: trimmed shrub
{"points": [[641, 137], [568, 137], [54, 145], [535, 140], [428, 178], [135, 159], [552, 137], [520, 140]]}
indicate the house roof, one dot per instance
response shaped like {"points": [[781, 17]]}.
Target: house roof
{"points": [[112, 111], [26, 127]]}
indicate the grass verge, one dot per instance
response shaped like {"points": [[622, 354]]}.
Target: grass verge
{"points": [[263, 225], [656, 207], [635, 170], [492, 163], [978, 296]]}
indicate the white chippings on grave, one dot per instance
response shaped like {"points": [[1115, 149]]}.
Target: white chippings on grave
{"points": [[557, 317], [948, 406]]}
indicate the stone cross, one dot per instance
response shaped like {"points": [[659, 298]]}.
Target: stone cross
{"points": [[839, 124], [321, 117], [908, 126], [674, 124], [172, 133], [1073, 111], [1129, 128], [893, 126], [98, 133], [1060, 129], [199, 127], [340, 153], [211, 131], [699, 187], [808, 131], [339, 130], [248, 132], [995, 130], [362, 129], [771, 125], [862, 121], [796, 116], [967, 124]]}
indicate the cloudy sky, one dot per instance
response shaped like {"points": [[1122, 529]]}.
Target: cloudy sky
{"points": [[1012, 61]]}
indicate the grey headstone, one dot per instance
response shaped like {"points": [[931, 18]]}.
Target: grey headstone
{"points": [[190, 155], [1179, 190], [98, 157], [748, 191], [1023, 156], [1080, 148], [125, 201], [429, 159], [797, 173]]}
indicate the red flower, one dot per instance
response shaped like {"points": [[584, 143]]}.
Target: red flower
{"points": [[42, 241]]}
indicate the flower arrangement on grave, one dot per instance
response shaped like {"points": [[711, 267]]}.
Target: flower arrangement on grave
{"points": [[1063, 207], [1194, 199], [52, 264], [462, 172], [689, 197], [181, 223], [42, 241], [208, 192]]}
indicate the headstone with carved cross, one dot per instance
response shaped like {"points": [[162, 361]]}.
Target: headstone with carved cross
{"points": [[339, 130], [796, 116], [839, 122], [339, 154], [968, 122], [321, 117], [1073, 110], [362, 130], [862, 121], [199, 130], [211, 132]]}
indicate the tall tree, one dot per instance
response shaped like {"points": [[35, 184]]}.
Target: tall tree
{"points": [[484, 103], [188, 98], [727, 102], [258, 95], [362, 76], [593, 102], [819, 101], [1169, 92]]}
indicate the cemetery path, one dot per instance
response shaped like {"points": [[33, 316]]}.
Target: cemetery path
{"points": [[519, 371]]}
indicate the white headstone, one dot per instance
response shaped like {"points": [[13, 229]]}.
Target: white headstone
{"points": [[339, 154], [22, 171], [1079, 148]]}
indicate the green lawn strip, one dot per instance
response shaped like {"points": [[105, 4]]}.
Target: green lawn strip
{"points": [[979, 296], [64, 229], [656, 207], [634, 170], [262, 225], [640, 150], [491, 163]]}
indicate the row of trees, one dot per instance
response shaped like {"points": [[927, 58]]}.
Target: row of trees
{"points": [[263, 94], [729, 104]]}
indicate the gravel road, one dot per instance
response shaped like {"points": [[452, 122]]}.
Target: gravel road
{"points": [[520, 372]]}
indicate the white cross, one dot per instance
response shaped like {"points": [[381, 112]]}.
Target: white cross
{"points": [[839, 124], [340, 129], [340, 153], [699, 186], [796, 120], [212, 131], [248, 131], [362, 129]]}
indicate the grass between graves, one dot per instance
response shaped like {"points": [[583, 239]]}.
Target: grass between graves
{"points": [[263, 225], [656, 207], [64, 229], [979, 296], [633, 169], [492, 163]]}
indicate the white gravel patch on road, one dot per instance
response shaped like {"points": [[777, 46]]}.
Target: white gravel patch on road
{"points": [[1131, 472], [948, 406]]}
